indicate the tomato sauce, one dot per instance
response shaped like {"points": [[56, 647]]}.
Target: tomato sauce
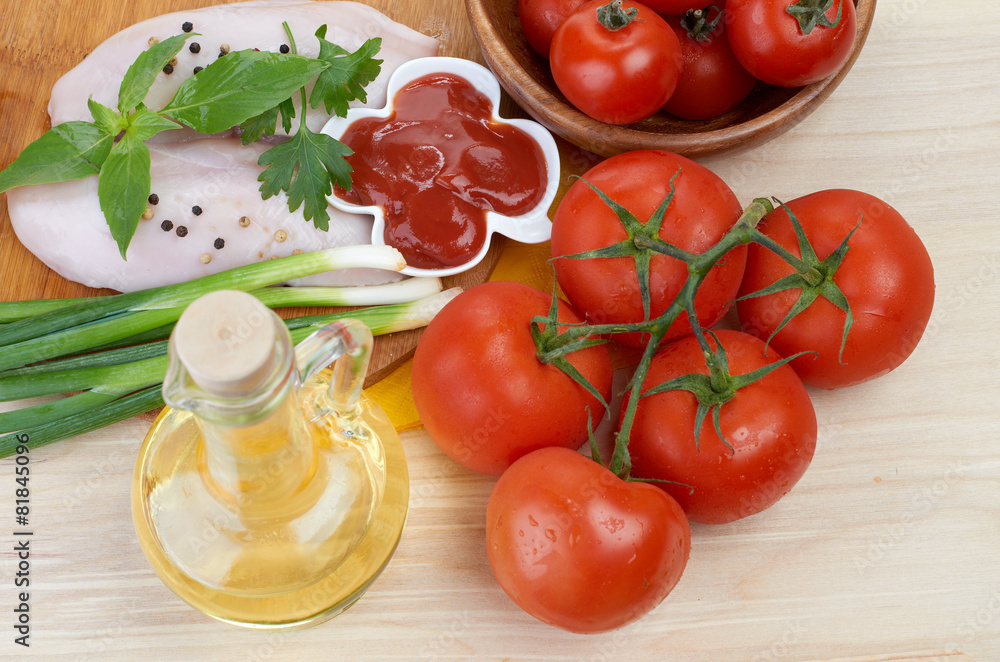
{"points": [[436, 165]]}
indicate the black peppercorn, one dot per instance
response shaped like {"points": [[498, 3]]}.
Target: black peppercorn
{"points": [[181, 231], [153, 198], [166, 226], [197, 69], [196, 210], [168, 69], [195, 47], [283, 48], [187, 26], [220, 243]]}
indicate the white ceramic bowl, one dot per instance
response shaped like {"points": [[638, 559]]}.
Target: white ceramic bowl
{"points": [[532, 227]]}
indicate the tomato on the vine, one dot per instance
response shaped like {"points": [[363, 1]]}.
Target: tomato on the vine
{"points": [[676, 7], [885, 276], [768, 430], [606, 289], [579, 548], [791, 43], [540, 18], [712, 79], [482, 393], [616, 63]]}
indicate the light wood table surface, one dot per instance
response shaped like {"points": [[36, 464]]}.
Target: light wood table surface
{"points": [[888, 546]]}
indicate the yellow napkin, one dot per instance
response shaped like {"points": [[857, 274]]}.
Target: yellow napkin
{"points": [[524, 263]]}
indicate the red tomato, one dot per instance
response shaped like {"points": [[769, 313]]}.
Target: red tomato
{"points": [[615, 76], [480, 390], [677, 6], [540, 18], [712, 79], [886, 276], [579, 548], [769, 42], [770, 425], [606, 290]]}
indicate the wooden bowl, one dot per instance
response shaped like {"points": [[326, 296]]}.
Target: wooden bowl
{"points": [[768, 112]]}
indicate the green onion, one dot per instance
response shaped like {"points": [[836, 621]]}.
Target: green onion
{"points": [[369, 295], [47, 412], [143, 326], [125, 377], [12, 311], [83, 326], [89, 419], [248, 278], [85, 336], [159, 333], [110, 357], [125, 382]]}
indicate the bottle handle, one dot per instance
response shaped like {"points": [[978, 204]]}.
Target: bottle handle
{"points": [[347, 346]]}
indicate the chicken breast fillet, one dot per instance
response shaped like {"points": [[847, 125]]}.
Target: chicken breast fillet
{"points": [[238, 26], [209, 215], [63, 224]]}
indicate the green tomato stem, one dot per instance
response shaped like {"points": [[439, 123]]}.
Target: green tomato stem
{"points": [[697, 24], [742, 232], [812, 13], [796, 262], [614, 17]]}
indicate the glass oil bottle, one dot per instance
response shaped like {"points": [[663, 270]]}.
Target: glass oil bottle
{"points": [[271, 491]]}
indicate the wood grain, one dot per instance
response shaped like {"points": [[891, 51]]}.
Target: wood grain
{"points": [[42, 39], [887, 547], [931, 656], [766, 113]]}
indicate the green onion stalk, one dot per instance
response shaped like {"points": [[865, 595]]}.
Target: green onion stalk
{"points": [[112, 351], [117, 391], [85, 325]]}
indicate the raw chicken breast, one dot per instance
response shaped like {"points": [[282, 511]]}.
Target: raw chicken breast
{"points": [[63, 224], [254, 24]]}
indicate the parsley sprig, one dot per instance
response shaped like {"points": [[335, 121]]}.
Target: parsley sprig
{"points": [[307, 166], [247, 88]]}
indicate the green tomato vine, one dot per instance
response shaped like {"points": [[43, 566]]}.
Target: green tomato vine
{"points": [[813, 277]]}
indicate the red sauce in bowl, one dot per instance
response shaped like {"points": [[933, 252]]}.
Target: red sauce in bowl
{"points": [[436, 165]]}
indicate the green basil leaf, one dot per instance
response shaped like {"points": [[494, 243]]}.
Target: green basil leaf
{"points": [[72, 150], [265, 123], [257, 126], [144, 124], [143, 72], [123, 187], [105, 117], [237, 87], [345, 77], [287, 109]]}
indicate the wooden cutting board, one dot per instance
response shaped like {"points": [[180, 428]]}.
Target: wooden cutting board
{"points": [[30, 65]]}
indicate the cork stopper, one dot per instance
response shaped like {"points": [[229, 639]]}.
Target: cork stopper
{"points": [[226, 341]]}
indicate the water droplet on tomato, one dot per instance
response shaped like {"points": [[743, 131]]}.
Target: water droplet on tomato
{"points": [[532, 521], [550, 534]]}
